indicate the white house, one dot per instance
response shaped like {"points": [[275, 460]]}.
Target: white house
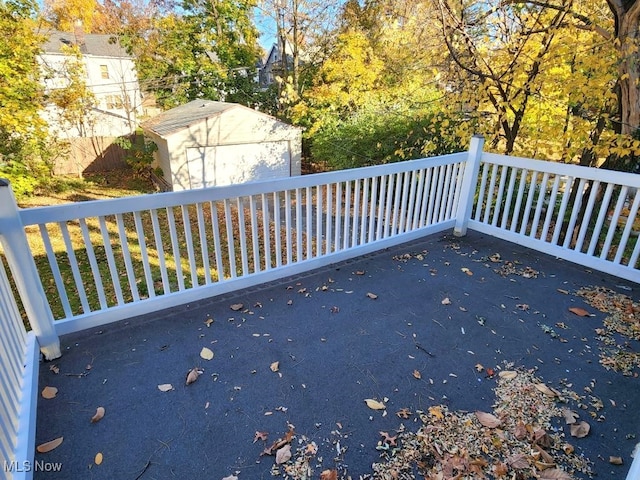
{"points": [[205, 144], [110, 75]]}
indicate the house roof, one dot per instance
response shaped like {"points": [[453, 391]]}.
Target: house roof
{"points": [[93, 44], [189, 114]]}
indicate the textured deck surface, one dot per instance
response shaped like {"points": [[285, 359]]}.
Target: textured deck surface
{"points": [[335, 346]]}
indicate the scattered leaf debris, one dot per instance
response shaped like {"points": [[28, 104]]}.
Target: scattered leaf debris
{"points": [[51, 445]]}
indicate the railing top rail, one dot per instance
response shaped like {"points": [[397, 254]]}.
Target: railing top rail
{"points": [[62, 213], [570, 170]]}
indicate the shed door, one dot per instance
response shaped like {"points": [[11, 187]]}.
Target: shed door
{"points": [[230, 164]]}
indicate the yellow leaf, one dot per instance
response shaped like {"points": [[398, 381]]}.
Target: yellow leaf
{"points": [[375, 404], [436, 411], [275, 366], [49, 392], [206, 353], [98, 459]]}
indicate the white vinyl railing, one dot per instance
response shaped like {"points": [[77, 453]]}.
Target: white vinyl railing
{"points": [[109, 260], [18, 386]]}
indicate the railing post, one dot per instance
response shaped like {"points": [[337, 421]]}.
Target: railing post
{"points": [[25, 274], [469, 180]]}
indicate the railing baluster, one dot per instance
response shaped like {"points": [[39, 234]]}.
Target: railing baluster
{"points": [[626, 232], [600, 222], [575, 211], [527, 209], [563, 208], [319, 218], [175, 246], [266, 232], [481, 194], [513, 175], [55, 270], [288, 226], [309, 221], [399, 186], [255, 240], [381, 207], [277, 228], [446, 192], [347, 216], [242, 236], [144, 255], [93, 263], [490, 194], [188, 238], [551, 208], [516, 211], [586, 218], [437, 213], [371, 224], [204, 247], [157, 235], [542, 192], [363, 211], [329, 223], [299, 227], [498, 199], [338, 217], [113, 269], [73, 263], [231, 248], [217, 241], [412, 201], [402, 215]]}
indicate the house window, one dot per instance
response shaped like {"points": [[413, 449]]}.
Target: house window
{"points": [[104, 71], [114, 102]]}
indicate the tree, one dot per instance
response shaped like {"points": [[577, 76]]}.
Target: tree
{"points": [[24, 153], [64, 15]]}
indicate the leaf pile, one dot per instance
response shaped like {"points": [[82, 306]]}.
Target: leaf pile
{"points": [[515, 440], [624, 320]]}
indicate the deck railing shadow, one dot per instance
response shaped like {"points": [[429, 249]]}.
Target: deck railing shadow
{"points": [[113, 259]]}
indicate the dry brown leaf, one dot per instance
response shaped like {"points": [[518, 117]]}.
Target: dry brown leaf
{"points": [[283, 454], [206, 353], [580, 430], [48, 446], [49, 392], [329, 475], [581, 312], [508, 374], [98, 416], [520, 430], [488, 420], [236, 307], [541, 387], [375, 404], [500, 469], [615, 460], [417, 374], [467, 271], [403, 413], [208, 322], [165, 387], [359, 272], [98, 459], [518, 460], [260, 436], [275, 366], [554, 474], [569, 416], [436, 411], [446, 301], [372, 296], [192, 376]]}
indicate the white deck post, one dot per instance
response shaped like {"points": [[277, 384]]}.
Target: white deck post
{"points": [[470, 176], [25, 274]]}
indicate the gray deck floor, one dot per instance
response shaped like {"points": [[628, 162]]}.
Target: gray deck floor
{"points": [[335, 347]]}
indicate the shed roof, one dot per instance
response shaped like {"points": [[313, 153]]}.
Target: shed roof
{"points": [[190, 113], [90, 44]]}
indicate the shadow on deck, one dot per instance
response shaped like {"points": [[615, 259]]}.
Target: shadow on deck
{"points": [[336, 347]]}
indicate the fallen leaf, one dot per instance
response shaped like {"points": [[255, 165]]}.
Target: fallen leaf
{"points": [[615, 460], [208, 322], [500, 469], [541, 387], [206, 353], [403, 413], [508, 374], [417, 374], [580, 430], [283, 454], [275, 366], [260, 436], [311, 449], [98, 416], [467, 271], [329, 475], [49, 392], [375, 404], [98, 459], [569, 416], [490, 372], [392, 441], [359, 272], [520, 430], [165, 387], [488, 420], [372, 296], [193, 375], [479, 367], [554, 474], [230, 477], [48, 446], [581, 312], [436, 411], [236, 307], [446, 301], [55, 369], [518, 460]]}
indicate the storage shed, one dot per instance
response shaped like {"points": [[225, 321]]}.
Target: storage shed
{"points": [[205, 143]]}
